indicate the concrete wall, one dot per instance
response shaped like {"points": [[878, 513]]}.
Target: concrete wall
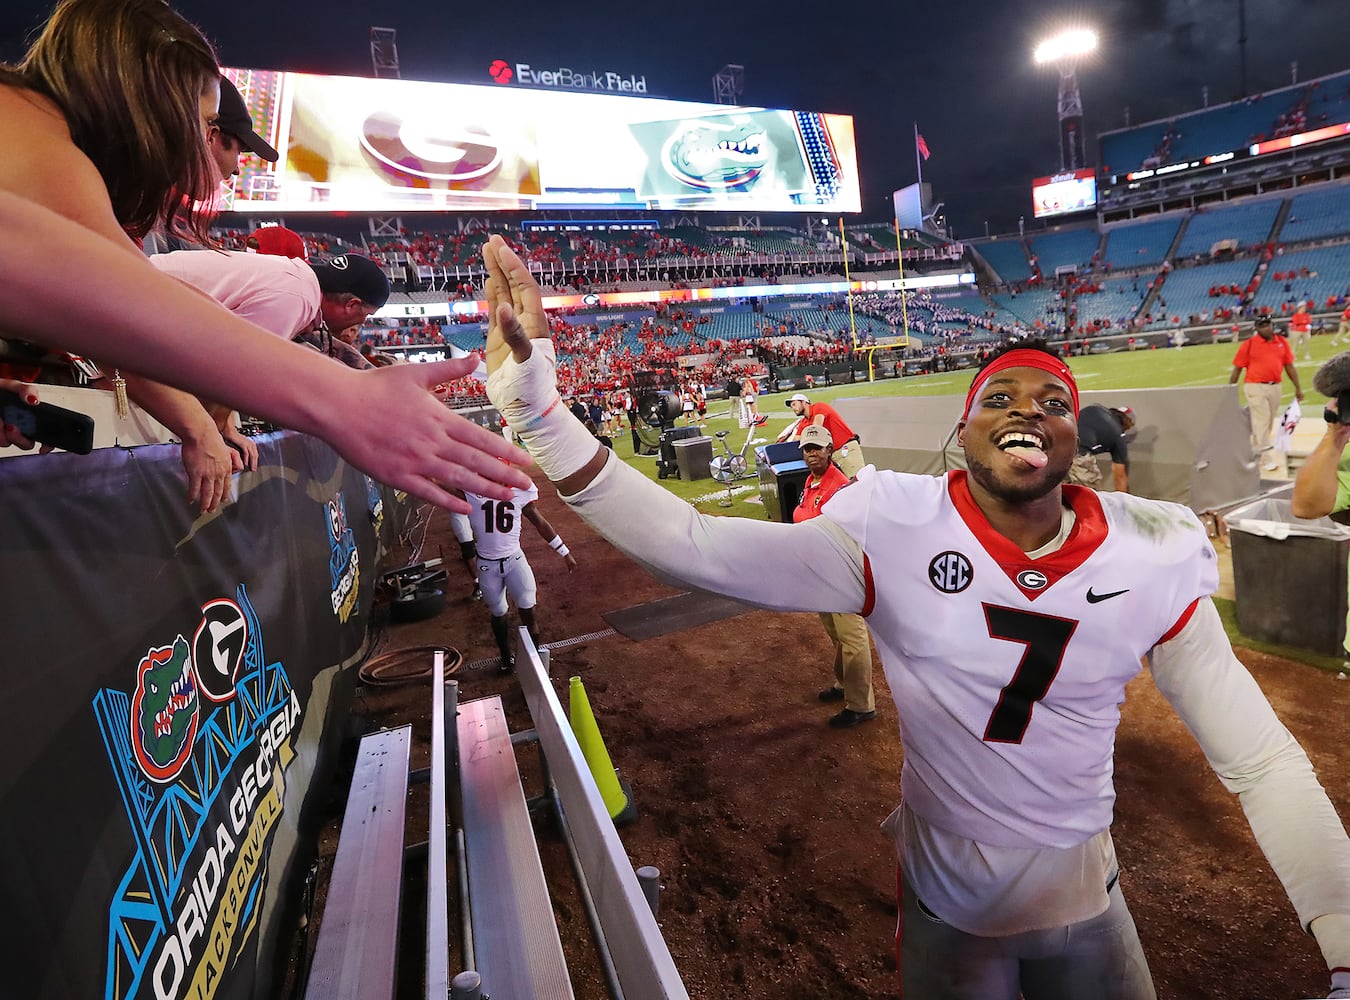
{"points": [[1192, 445]]}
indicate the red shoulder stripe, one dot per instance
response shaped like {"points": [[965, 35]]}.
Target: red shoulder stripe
{"points": [[1172, 632]]}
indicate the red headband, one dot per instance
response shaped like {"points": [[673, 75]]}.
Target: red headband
{"points": [[1024, 358]]}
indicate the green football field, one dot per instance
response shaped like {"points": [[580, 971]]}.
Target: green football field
{"points": [[1207, 364]]}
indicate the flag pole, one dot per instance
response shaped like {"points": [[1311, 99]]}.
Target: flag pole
{"points": [[904, 302], [918, 164], [848, 282]]}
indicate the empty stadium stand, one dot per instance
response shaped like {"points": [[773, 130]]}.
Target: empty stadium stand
{"points": [[1319, 214], [1209, 131], [1141, 244], [1249, 223], [1185, 292], [1068, 248], [1116, 303], [1007, 257], [1327, 275]]}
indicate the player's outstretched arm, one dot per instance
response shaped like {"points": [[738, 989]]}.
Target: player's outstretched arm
{"points": [[1256, 757], [384, 421], [522, 374], [808, 567]]}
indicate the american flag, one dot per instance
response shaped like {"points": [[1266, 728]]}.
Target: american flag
{"points": [[921, 144]]}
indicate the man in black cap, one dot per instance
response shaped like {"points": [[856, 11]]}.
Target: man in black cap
{"points": [[231, 134], [1103, 429], [352, 288]]}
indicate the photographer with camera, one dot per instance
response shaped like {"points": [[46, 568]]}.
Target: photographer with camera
{"points": [[1322, 486]]}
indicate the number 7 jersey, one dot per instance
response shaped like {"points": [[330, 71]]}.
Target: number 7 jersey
{"points": [[1008, 672]]}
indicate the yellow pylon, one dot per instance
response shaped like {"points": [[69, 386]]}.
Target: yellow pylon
{"points": [[617, 798]]}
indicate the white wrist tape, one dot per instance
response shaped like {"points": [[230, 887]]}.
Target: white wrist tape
{"points": [[564, 551], [527, 396], [557, 544]]}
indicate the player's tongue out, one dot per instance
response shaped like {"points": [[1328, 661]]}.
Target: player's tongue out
{"points": [[1025, 447]]}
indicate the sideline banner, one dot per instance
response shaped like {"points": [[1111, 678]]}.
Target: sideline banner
{"points": [[169, 681]]}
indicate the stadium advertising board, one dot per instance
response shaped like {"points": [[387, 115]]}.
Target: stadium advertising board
{"points": [[467, 310], [350, 144], [1064, 193], [506, 73]]}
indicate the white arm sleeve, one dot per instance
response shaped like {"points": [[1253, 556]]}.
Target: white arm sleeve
{"points": [[1256, 757], [812, 566]]}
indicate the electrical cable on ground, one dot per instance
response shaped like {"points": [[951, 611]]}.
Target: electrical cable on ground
{"points": [[403, 666]]}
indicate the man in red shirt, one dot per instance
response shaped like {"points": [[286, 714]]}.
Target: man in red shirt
{"points": [[852, 649], [1300, 331], [1343, 331], [1266, 358], [848, 454]]}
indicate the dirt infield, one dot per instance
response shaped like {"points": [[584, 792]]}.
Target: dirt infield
{"points": [[764, 821]]}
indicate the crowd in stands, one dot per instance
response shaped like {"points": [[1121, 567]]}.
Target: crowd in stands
{"points": [[316, 246], [1091, 302], [888, 306], [576, 250]]}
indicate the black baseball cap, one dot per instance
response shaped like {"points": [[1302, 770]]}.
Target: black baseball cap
{"points": [[233, 119], [353, 274], [1263, 321]]}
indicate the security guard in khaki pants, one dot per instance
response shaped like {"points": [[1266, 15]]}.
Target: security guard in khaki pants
{"points": [[852, 649]]}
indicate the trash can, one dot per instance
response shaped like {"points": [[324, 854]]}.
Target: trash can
{"points": [[665, 456], [693, 458], [782, 477], [1289, 576]]}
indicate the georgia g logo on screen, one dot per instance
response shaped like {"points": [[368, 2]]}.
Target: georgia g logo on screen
{"points": [[430, 146]]}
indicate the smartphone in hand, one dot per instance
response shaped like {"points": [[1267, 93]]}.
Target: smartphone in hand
{"points": [[48, 424]]}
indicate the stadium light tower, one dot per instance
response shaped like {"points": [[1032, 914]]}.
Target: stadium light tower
{"points": [[729, 84], [384, 52], [1063, 51]]}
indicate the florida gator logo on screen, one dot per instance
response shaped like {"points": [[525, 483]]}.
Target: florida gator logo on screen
{"points": [[712, 157]]}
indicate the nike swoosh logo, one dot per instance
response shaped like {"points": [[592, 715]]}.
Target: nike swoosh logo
{"points": [[1097, 598]]}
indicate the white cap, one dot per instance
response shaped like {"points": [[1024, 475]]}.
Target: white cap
{"points": [[795, 397]]}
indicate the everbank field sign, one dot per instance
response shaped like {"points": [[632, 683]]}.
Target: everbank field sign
{"points": [[566, 78]]}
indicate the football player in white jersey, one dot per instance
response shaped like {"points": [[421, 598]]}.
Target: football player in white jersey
{"points": [[1010, 611], [468, 555], [502, 566]]}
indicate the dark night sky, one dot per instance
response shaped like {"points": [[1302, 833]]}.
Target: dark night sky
{"points": [[962, 71]]}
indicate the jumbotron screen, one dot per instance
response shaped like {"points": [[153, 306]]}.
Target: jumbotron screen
{"points": [[1064, 193], [351, 144]]}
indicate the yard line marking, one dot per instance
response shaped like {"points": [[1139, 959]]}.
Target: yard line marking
{"points": [[735, 491]]}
